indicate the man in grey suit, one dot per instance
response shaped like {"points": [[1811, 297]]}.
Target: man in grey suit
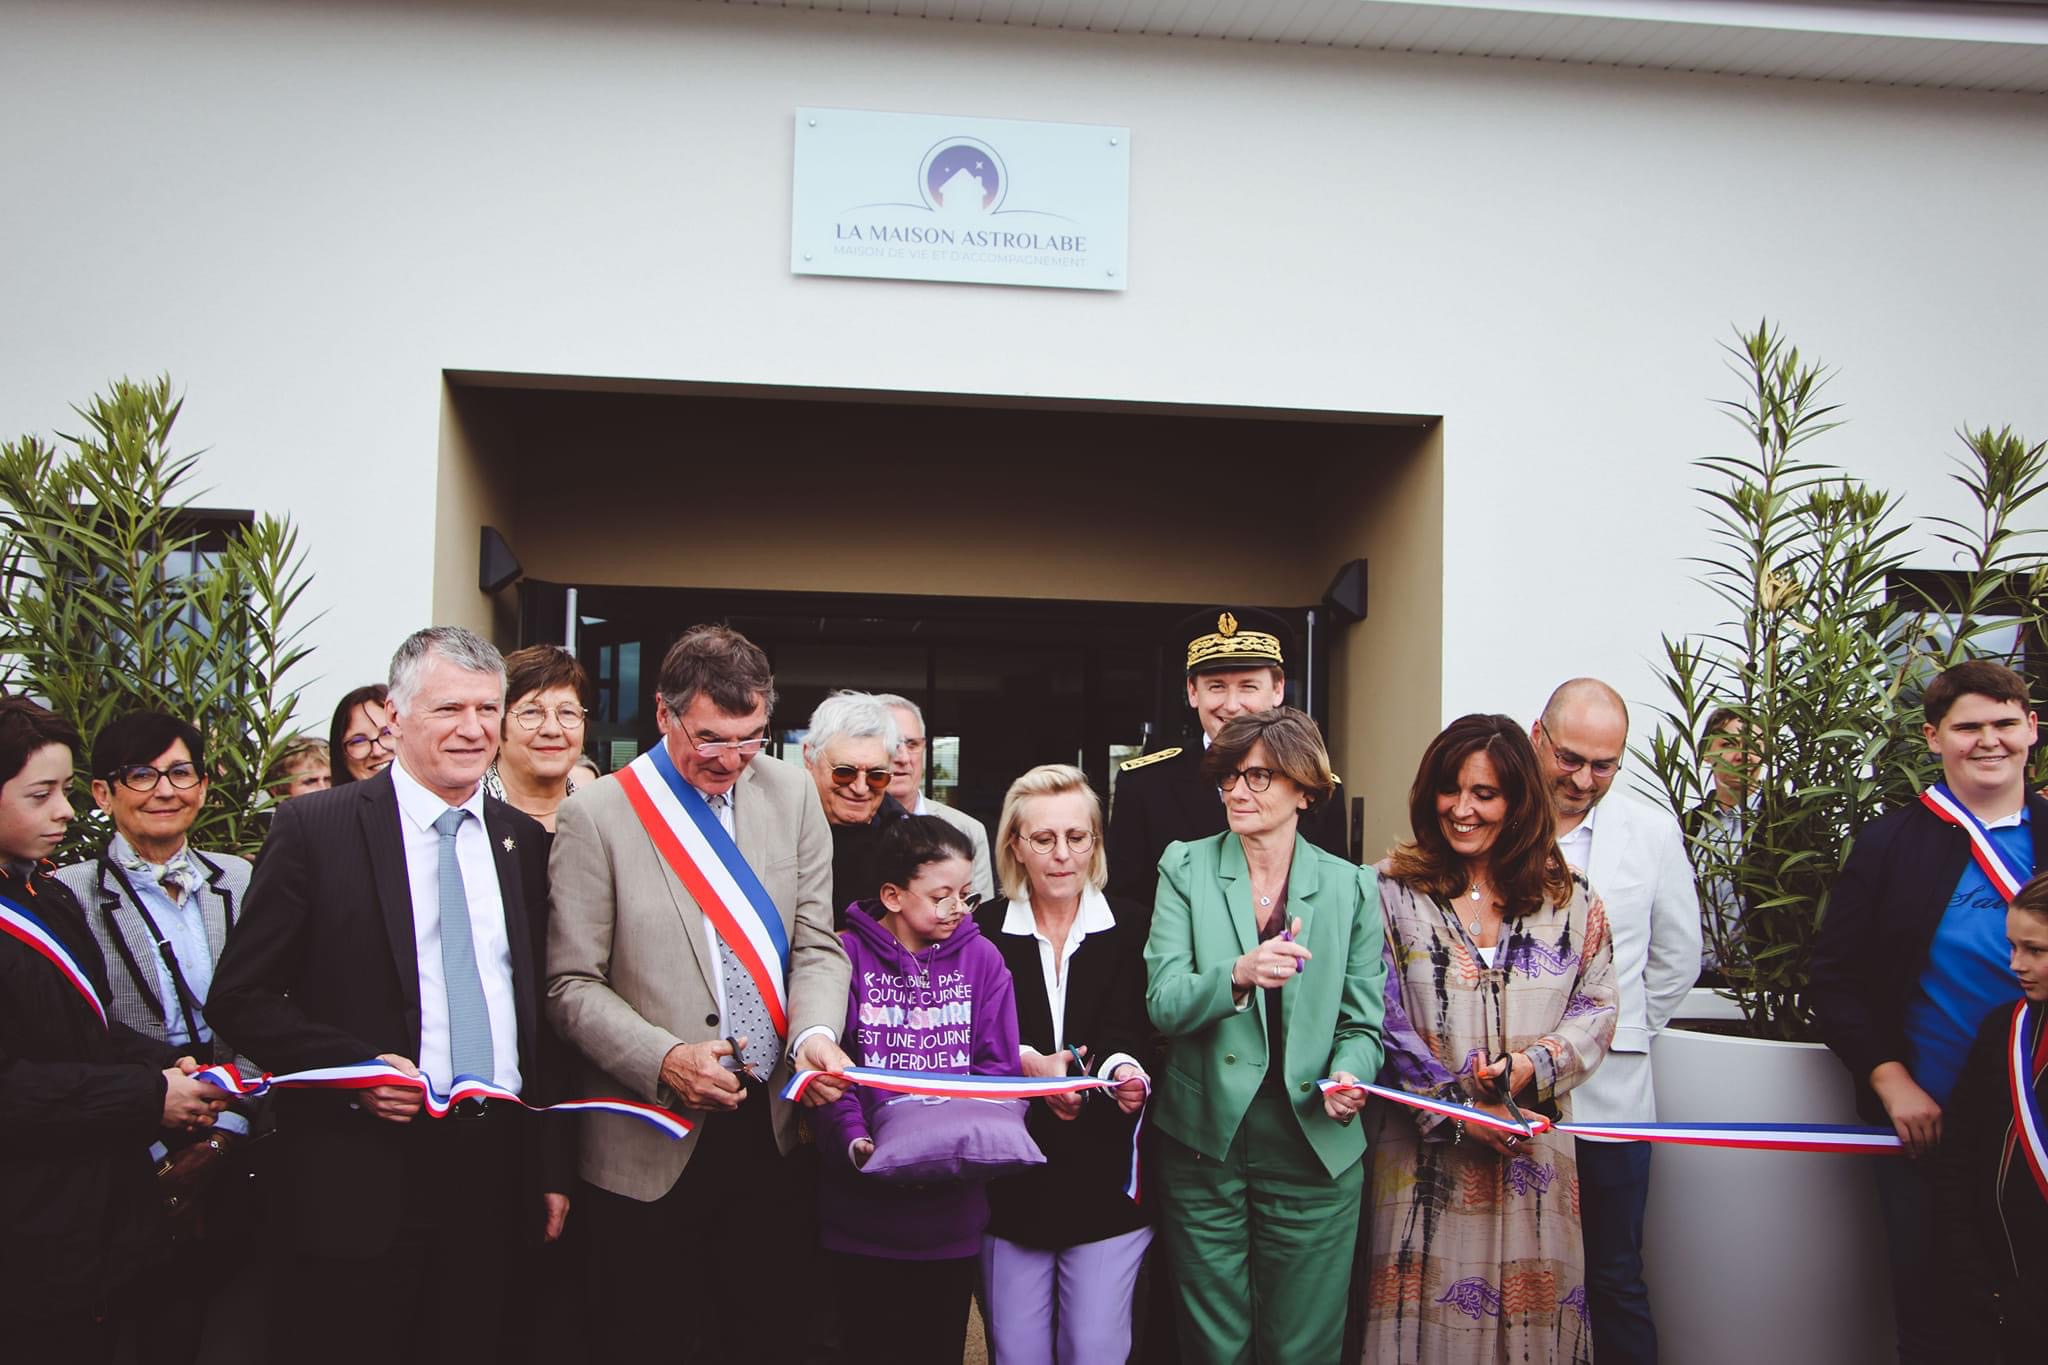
{"points": [[703, 1008], [906, 770]]}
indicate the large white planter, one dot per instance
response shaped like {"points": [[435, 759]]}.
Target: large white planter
{"points": [[1762, 1258]]}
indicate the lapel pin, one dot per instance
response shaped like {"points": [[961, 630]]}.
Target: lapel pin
{"points": [[509, 845]]}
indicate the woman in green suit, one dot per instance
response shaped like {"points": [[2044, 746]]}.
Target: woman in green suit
{"points": [[1265, 976]]}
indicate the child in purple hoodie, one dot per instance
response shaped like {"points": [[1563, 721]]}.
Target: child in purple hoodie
{"points": [[929, 994]]}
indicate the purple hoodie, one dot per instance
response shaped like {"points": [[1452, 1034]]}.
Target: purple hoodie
{"points": [[887, 1025]]}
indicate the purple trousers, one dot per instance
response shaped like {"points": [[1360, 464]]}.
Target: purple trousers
{"points": [[1064, 1307]]}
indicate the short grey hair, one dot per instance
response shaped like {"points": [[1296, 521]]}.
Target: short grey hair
{"points": [[851, 715], [890, 699], [465, 649]]}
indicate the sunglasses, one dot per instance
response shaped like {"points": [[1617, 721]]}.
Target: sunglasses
{"points": [[846, 774]]}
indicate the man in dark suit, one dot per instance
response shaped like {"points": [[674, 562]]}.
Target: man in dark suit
{"points": [[1162, 797], [404, 918]]}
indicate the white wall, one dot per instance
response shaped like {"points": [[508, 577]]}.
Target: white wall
{"points": [[306, 212]]}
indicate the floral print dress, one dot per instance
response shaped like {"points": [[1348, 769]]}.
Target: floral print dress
{"points": [[1475, 1257]]}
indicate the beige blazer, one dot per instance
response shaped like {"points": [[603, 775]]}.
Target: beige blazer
{"points": [[629, 970]]}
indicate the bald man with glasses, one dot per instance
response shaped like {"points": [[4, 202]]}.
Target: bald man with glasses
{"points": [[1633, 854], [692, 963]]}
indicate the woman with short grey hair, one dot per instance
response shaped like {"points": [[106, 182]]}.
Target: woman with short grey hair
{"points": [[848, 748]]}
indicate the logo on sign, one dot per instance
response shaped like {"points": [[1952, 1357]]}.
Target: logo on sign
{"points": [[963, 177]]}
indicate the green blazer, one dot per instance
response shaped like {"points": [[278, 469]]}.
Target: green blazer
{"points": [[1217, 1053]]}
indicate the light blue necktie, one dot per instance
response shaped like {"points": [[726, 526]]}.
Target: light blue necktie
{"points": [[469, 1019]]}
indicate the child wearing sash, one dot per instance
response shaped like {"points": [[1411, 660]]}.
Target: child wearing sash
{"points": [[81, 1095], [929, 994], [1991, 1180], [1912, 955]]}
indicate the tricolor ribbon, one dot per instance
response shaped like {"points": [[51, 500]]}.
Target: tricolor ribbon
{"points": [[689, 838], [365, 1075], [19, 922], [2005, 873], [1766, 1137], [955, 1086], [2030, 1125]]}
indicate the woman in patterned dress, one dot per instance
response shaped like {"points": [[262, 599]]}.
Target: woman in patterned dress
{"points": [[1498, 965]]}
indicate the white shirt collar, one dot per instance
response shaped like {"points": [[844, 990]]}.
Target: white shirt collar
{"points": [[1584, 829], [1095, 917], [421, 806]]}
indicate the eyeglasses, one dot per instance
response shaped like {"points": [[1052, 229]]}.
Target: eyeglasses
{"points": [[846, 774], [142, 778], [568, 715], [1569, 762], [745, 748], [1255, 779], [1046, 840], [358, 745], [963, 904]]}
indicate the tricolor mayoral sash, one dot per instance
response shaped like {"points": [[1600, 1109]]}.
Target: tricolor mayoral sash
{"points": [[19, 922], [704, 857], [2027, 1058], [2007, 874]]}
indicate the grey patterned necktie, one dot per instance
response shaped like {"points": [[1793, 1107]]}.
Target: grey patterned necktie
{"points": [[745, 1015], [469, 1019]]}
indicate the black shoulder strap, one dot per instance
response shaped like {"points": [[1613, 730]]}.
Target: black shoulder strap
{"points": [[187, 1006]]}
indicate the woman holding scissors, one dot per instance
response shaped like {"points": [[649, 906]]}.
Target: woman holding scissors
{"points": [[1501, 997], [1265, 975], [1060, 1258]]}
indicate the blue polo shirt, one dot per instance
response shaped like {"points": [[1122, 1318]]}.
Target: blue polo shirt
{"points": [[1968, 971]]}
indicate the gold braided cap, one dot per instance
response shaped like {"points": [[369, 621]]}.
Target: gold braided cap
{"points": [[1252, 647]]}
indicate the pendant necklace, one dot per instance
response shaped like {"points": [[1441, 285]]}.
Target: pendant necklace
{"points": [[1472, 926]]}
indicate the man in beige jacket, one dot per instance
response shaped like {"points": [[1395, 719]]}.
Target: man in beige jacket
{"points": [[703, 1008]]}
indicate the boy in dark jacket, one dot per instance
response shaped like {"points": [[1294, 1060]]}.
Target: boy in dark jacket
{"points": [[1991, 1208], [1912, 955], [81, 1097]]}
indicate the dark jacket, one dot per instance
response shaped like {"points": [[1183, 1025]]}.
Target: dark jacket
{"points": [[322, 970], [1873, 944], [1161, 801], [1078, 1195], [853, 860], [80, 1103], [1991, 1223]]}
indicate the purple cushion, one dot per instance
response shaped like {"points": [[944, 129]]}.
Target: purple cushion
{"points": [[921, 1140]]}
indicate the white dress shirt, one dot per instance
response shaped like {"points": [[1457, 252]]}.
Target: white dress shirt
{"points": [[418, 808], [1094, 917], [1577, 846]]}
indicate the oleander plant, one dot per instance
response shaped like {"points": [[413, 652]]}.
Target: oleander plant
{"points": [[1829, 640], [115, 597]]}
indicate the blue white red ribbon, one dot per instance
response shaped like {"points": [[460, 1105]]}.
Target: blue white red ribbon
{"points": [[366, 1075], [19, 922], [687, 835], [956, 1086], [1768, 1137], [2030, 1125], [2007, 874]]}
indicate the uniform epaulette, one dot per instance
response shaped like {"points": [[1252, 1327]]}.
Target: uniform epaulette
{"points": [[1143, 759]]}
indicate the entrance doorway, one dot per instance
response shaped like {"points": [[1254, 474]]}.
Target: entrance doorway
{"points": [[1005, 683], [1018, 563]]}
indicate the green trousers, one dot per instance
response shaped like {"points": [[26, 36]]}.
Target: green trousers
{"points": [[1260, 1243]]}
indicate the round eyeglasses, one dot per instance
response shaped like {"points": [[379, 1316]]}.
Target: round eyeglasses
{"points": [[1046, 840], [1255, 779], [140, 777], [358, 745], [568, 715], [846, 774]]}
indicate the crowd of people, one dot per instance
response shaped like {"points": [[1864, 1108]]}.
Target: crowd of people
{"points": [[448, 891]]}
